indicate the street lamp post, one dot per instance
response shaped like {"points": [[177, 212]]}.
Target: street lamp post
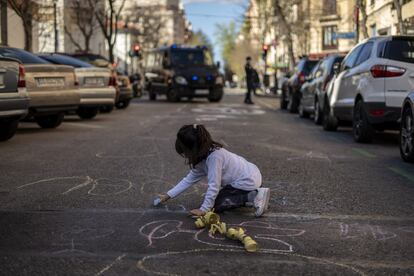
{"points": [[55, 25]]}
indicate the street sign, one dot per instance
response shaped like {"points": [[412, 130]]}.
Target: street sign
{"points": [[348, 35]]}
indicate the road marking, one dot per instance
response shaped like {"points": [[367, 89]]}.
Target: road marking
{"points": [[402, 173], [84, 125], [364, 153], [265, 104]]}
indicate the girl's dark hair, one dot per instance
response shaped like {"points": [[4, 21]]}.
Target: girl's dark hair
{"points": [[194, 143]]}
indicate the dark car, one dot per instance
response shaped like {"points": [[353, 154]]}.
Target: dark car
{"points": [[314, 90], [290, 97], [407, 129], [122, 84], [14, 101], [182, 72]]}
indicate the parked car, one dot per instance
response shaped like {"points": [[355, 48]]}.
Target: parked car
{"points": [[407, 129], [314, 90], [14, 101], [125, 91], [182, 72], [123, 85], [136, 83], [52, 88], [290, 97], [97, 85], [373, 81]]}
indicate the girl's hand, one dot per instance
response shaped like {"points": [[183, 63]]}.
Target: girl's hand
{"points": [[164, 198], [197, 212]]}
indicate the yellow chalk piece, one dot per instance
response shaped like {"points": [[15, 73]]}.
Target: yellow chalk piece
{"points": [[199, 223], [250, 245], [212, 221]]}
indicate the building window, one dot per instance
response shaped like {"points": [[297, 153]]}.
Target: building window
{"points": [[329, 7], [329, 39]]}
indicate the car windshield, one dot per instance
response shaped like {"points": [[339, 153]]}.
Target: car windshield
{"points": [[191, 57], [400, 50], [308, 66], [23, 56], [95, 60], [65, 60]]}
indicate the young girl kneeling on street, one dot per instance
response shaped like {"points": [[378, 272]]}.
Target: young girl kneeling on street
{"points": [[232, 181]]}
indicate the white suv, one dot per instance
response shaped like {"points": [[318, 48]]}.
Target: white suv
{"points": [[371, 85]]}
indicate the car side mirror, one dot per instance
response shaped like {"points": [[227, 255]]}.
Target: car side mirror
{"points": [[336, 68], [218, 64]]}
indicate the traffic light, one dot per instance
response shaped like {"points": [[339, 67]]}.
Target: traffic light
{"points": [[136, 51], [265, 49]]}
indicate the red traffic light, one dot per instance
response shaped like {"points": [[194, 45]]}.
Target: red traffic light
{"points": [[137, 47], [265, 47]]}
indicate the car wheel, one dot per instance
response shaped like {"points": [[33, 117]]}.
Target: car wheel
{"points": [[293, 104], [317, 118], [361, 128], [172, 95], [87, 113], [302, 112], [215, 96], [152, 95], [283, 102], [50, 121], [330, 123], [106, 109], [123, 104], [407, 136], [8, 129]]}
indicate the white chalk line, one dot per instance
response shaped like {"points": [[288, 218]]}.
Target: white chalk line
{"points": [[106, 268], [103, 155], [95, 183], [140, 264]]}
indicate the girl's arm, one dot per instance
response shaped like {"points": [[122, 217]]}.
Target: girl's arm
{"points": [[215, 167], [192, 177]]}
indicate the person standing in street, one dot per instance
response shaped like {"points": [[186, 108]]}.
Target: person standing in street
{"points": [[250, 75]]}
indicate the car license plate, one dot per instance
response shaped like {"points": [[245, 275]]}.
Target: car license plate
{"points": [[94, 81], [201, 91], [50, 82]]}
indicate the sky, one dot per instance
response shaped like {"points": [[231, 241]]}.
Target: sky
{"points": [[205, 14]]}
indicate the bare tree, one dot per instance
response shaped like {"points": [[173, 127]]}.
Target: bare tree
{"points": [[84, 18], [148, 24], [108, 16], [286, 27], [27, 10], [362, 6], [400, 26]]}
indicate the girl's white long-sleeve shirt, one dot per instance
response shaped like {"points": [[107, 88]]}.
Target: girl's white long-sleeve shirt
{"points": [[221, 168]]}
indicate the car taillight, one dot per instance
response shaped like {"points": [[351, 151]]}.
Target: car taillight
{"points": [[112, 81], [22, 74], [386, 71], [302, 77]]}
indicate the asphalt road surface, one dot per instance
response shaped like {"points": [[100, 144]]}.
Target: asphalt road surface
{"points": [[77, 200]]}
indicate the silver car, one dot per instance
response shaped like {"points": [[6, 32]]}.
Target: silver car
{"points": [[52, 88], [14, 101], [371, 85], [96, 84]]}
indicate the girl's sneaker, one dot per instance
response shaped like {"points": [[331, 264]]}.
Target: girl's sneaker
{"points": [[261, 202]]}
